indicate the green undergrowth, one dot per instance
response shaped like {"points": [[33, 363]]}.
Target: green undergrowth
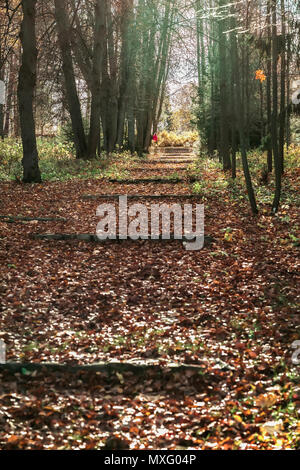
{"points": [[58, 163], [209, 180]]}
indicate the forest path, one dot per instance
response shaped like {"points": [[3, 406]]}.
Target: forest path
{"points": [[144, 303]]}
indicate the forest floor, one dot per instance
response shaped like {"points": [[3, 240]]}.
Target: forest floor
{"points": [[231, 309]]}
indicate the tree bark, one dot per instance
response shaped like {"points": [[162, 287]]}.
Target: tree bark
{"points": [[282, 88], [63, 28], [10, 90], [233, 100], [240, 117], [1, 105], [288, 91], [269, 92], [277, 165], [99, 38], [224, 130], [2, 121], [26, 88], [127, 13]]}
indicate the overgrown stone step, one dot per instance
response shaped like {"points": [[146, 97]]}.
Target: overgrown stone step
{"points": [[174, 150], [172, 157], [176, 160], [147, 180], [143, 169], [173, 162], [141, 196], [175, 155]]}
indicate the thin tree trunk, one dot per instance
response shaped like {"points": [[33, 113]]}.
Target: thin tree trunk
{"points": [[233, 100], [10, 90], [2, 121], [94, 134], [277, 164], [288, 91], [1, 105], [282, 88], [261, 96], [224, 130], [240, 120], [124, 72], [111, 84], [269, 93], [63, 29]]}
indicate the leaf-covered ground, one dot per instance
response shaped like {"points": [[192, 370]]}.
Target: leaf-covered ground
{"points": [[231, 308]]}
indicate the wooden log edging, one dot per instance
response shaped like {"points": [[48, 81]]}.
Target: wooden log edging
{"points": [[107, 367], [12, 219], [90, 237], [148, 180], [141, 196]]}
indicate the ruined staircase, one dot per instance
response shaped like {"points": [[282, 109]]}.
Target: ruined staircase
{"points": [[180, 155]]}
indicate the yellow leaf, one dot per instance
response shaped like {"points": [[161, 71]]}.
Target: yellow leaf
{"points": [[228, 237], [238, 418]]}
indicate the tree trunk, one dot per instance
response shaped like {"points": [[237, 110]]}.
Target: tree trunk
{"points": [[288, 91], [269, 93], [63, 28], [233, 100], [1, 105], [125, 68], [10, 90], [26, 87], [240, 116], [282, 88], [94, 134], [112, 83], [2, 121], [277, 165], [224, 130]]}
